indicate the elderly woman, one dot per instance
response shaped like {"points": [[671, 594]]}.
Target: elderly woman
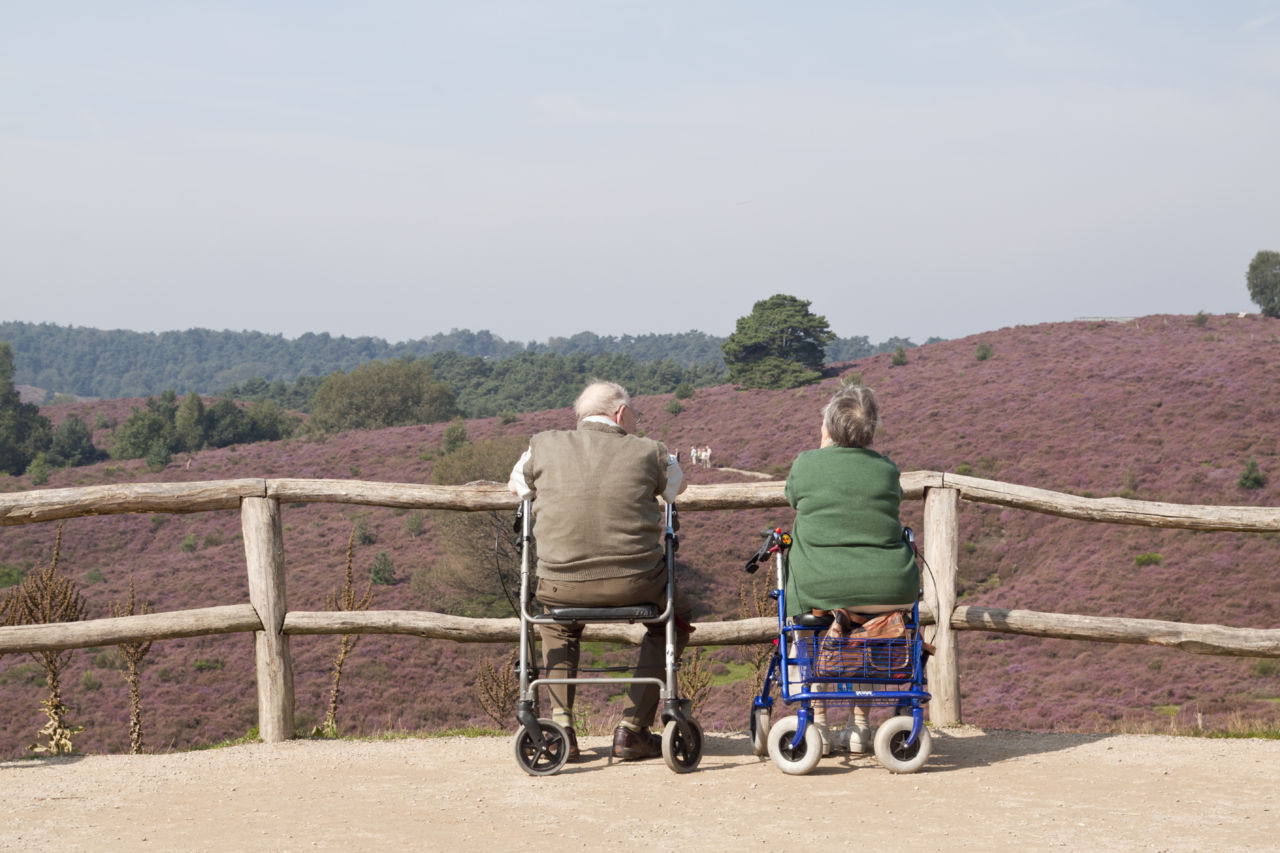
{"points": [[847, 547], [848, 551]]}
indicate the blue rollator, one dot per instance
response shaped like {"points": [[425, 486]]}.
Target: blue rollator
{"points": [[542, 745], [808, 667]]}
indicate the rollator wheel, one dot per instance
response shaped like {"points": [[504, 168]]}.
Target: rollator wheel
{"points": [[760, 731], [892, 750], [681, 755], [803, 758], [551, 759]]}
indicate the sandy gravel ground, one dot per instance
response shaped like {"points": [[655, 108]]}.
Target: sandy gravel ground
{"points": [[980, 791]]}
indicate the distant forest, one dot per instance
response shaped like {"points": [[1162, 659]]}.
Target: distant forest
{"points": [[86, 362]]}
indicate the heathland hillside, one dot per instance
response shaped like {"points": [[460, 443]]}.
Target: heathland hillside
{"points": [[1165, 408]]}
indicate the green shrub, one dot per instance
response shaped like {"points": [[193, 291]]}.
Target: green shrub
{"points": [[94, 575], [1252, 478], [684, 390], [383, 571], [211, 539], [363, 535], [1148, 560], [38, 470], [89, 681], [455, 435], [674, 408], [964, 469], [189, 544], [207, 664], [984, 352], [11, 575], [413, 523], [1201, 318], [899, 358]]}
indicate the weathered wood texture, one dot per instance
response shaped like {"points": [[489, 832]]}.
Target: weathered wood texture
{"points": [[230, 619], [53, 504], [1200, 639], [1116, 510], [1197, 639], [264, 555], [461, 629], [939, 574], [473, 496]]}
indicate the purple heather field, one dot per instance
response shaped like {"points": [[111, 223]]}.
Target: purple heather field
{"points": [[1158, 408]]}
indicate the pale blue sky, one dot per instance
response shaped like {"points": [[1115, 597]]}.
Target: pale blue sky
{"points": [[546, 167]]}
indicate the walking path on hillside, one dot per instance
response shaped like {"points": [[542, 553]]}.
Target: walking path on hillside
{"points": [[979, 791], [757, 474]]}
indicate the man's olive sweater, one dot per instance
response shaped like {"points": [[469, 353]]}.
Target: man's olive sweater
{"points": [[595, 508]]}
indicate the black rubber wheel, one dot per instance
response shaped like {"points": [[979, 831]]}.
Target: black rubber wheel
{"points": [[551, 758], [681, 755]]}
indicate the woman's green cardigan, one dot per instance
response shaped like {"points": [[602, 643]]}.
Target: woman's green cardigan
{"points": [[848, 549]]}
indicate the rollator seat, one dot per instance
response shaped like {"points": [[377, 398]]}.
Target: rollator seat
{"points": [[629, 613], [808, 620]]}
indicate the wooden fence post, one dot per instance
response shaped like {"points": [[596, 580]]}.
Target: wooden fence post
{"points": [[941, 553], [264, 554]]}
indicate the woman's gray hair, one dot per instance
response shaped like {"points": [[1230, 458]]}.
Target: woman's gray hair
{"points": [[851, 416], [601, 398]]}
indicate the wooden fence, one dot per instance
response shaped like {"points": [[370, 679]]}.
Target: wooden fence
{"points": [[267, 614]]}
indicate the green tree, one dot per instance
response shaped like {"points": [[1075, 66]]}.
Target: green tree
{"points": [[73, 444], [780, 344], [24, 432], [1264, 282], [190, 423], [381, 394], [146, 431]]}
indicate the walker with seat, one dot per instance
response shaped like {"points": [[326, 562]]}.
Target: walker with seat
{"points": [[542, 745], [808, 668]]}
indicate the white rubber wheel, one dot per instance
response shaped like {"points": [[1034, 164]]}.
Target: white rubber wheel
{"points": [[760, 731], [680, 755], [891, 746], [803, 758]]}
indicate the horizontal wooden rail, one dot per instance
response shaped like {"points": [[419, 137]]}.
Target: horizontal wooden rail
{"points": [[1246, 519], [462, 629], [54, 504], [231, 619], [1202, 639]]}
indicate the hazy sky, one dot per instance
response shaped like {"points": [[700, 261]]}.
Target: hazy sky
{"points": [[545, 167]]}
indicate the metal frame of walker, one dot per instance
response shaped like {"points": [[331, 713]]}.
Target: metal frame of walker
{"points": [[541, 745], [902, 743]]}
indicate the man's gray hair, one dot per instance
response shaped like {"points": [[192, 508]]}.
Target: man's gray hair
{"points": [[601, 398], [851, 416]]}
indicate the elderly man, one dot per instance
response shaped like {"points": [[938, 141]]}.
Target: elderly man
{"points": [[598, 527]]}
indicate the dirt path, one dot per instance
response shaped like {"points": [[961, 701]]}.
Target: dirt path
{"points": [[980, 791]]}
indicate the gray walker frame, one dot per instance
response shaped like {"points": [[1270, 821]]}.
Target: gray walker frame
{"points": [[681, 736]]}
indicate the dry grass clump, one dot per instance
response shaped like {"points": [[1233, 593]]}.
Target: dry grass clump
{"points": [[46, 596], [343, 598], [133, 653]]}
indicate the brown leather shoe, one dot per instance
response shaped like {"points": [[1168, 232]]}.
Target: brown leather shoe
{"points": [[633, 746], [574, 755]]}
